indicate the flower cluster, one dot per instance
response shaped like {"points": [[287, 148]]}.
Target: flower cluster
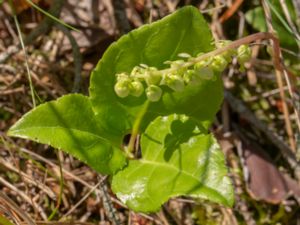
{"points": [[185, 71]]}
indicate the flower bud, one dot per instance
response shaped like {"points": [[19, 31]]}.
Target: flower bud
{"points": [[122, 88], [222, 43], [174, 82], [190, 77], [137, 72], [243, 54], [122, 77], [152, 76], [205, 73], [177, 63], [136, 88], [203, 63], [153, 93], [229, 53], [178, 66], [219, 63]]}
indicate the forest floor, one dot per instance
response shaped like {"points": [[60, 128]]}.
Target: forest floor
{"points": [[256, 126]]}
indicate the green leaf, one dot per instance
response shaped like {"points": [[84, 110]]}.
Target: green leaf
{"points": [[177, 160], [69, 124], [256, 18], [183, 31]]}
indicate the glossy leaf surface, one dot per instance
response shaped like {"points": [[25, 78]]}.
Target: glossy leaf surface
{"points": [[183, 31], [177, 160], [69, 124]]}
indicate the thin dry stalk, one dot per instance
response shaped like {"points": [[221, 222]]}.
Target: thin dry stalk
{"points": [[82, 199], [279, 73], [14, 211], [24, 197], [29, 180], [162, 217]]}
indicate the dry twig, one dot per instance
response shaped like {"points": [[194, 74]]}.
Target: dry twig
{"points": [[279, 72]]}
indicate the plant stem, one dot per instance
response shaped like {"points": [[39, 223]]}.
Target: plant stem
{"points": [[136, 128], [235, 44], [278, 65], [279, 74]]}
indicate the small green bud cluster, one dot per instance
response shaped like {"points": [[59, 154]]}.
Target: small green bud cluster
{"points": [[243, 55], [126, 85], [185, 71]]}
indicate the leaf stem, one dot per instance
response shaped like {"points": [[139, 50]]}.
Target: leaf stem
{"points": [[135, 130]]}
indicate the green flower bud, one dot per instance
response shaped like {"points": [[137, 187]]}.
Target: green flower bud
{"points": [[152, 76], [137, 72], [243, 54], [229, 53], [136, 88], [178, 66], [190, 77], [205, 73], [122, 77], [203, 63], [122, 88], [223, 43], [153, 93], [174, 82], [219, 63], [228, 56]]}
